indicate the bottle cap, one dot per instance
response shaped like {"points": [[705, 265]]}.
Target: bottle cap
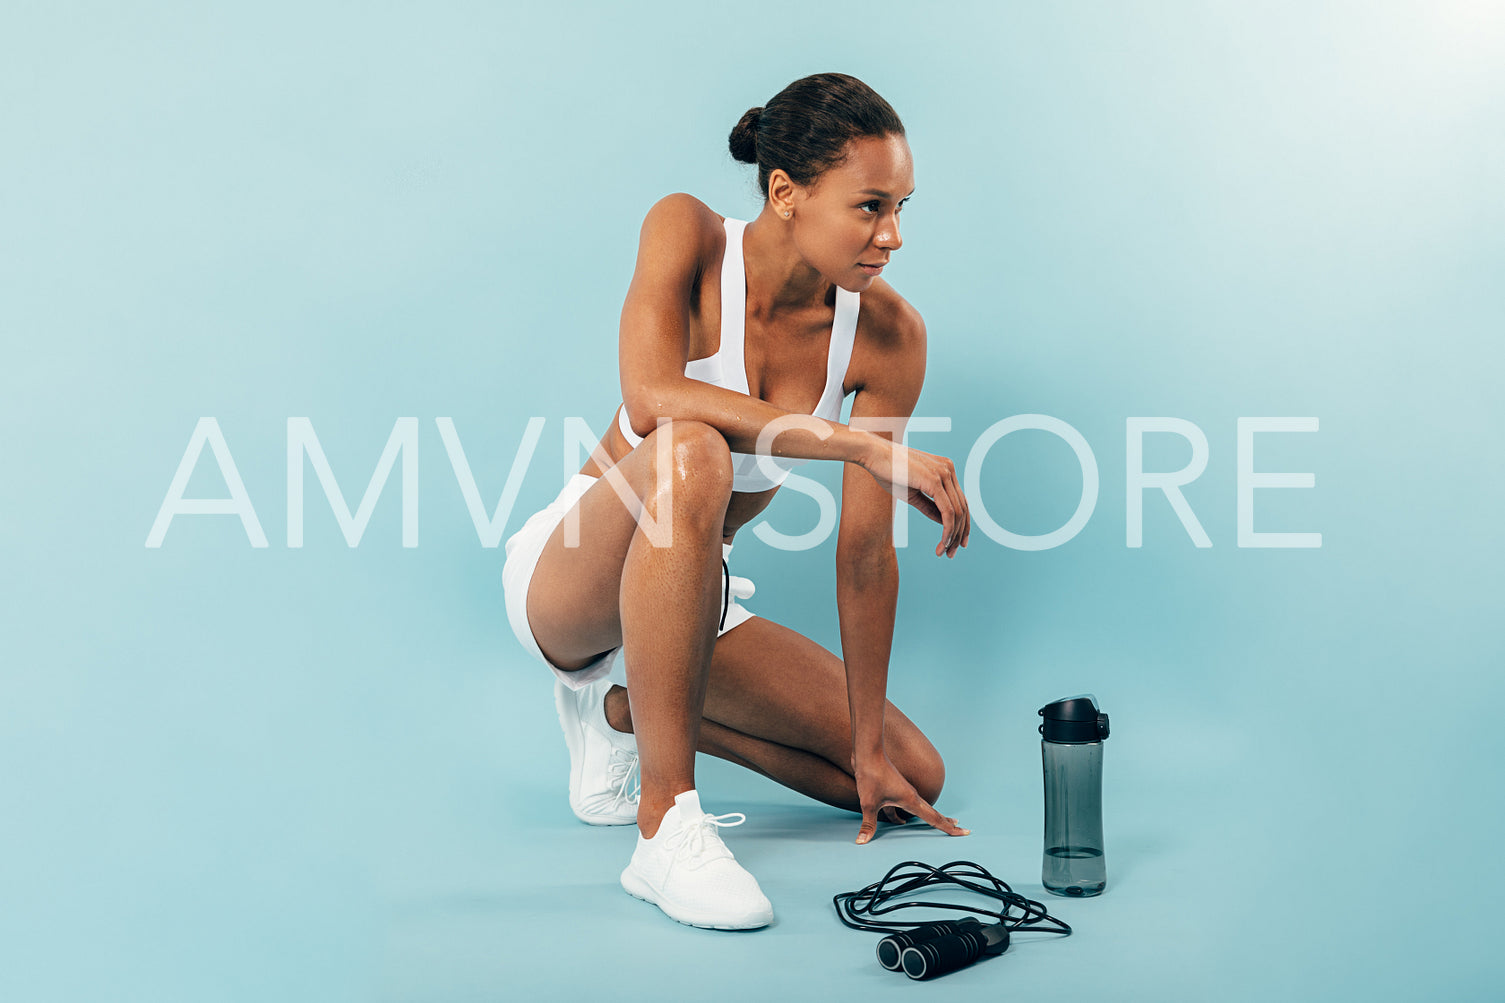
{"points": [[1074, 720]]}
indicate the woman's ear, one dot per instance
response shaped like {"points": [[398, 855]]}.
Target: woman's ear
{"points": [[781, 190]]}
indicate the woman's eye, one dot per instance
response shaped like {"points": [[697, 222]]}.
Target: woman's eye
{"points": [[869, 207]]}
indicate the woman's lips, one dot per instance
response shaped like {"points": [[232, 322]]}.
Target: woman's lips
{"points": [[871, 269]]}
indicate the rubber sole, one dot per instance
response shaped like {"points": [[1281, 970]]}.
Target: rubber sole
{"points": [[639, 889]]}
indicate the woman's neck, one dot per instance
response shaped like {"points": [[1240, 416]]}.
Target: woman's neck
{"points": [[779, 281]]}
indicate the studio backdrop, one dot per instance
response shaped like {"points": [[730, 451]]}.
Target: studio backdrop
{"points": [[306, 307]]}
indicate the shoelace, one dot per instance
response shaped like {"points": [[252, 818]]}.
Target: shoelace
{"points": [[625, 779], [701, 839]]}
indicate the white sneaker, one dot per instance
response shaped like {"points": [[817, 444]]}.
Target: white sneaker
{"points": [[604, 784], [687, 871]]}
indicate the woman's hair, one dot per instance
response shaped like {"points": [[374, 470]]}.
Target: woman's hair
{"points": [[806, 127]]}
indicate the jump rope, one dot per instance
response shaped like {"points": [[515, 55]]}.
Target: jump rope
{"points": [[928, 950]]}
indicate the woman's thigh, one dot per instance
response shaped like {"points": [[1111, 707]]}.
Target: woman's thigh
{"points": [[573, 595], [774, 683]]}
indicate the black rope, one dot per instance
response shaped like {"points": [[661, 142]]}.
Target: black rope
{"points": [[858, 909]]}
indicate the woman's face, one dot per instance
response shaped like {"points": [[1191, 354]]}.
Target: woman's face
{"points": [[846, 224]]}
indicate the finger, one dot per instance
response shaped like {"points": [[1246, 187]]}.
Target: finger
{"points": [[948, 516], [921, 501], [950, 541], [958, 509], [963, 517], [963, 513], [958, 505], [966, 515], [869, 826], [967, 533], [937, 820]]}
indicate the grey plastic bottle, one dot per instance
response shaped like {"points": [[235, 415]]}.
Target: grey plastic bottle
{"points": [[1072, 753]]}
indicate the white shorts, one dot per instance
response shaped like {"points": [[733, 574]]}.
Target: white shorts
{"points": [[523, 550]]}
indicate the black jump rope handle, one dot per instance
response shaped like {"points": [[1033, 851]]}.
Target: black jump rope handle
{"points": [[932, 958], [891, 947]]}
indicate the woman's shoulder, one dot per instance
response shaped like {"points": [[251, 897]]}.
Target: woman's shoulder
{"points": [[889, 349], [888, 321], [681, 239], [680, 221]]}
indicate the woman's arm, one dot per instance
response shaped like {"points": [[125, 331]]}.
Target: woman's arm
{"points": [[867, 579], [680, 235]]}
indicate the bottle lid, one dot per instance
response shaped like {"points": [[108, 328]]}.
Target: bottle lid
{"points": [[1074, 720]]}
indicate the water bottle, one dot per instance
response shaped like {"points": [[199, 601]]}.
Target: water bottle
{"points": [[1072, 754]]}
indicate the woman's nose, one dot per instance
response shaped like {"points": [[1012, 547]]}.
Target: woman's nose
{"points": [[888, 234]]}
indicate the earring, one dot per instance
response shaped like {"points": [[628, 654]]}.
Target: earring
{"points": [[786, 213]]}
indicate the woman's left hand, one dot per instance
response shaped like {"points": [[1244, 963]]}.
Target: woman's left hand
{"points": [[880, 785]]}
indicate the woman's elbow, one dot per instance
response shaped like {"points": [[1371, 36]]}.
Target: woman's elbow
{"points": [[645, 407]]}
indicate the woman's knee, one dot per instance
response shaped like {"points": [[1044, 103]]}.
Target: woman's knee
{"points": [[923, 767], [699, 467], [931, 778]]}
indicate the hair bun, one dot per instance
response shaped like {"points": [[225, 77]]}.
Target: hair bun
{"points": [[744, 138], [805, 129]]}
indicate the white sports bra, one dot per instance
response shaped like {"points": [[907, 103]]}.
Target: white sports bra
{"points": [[728, 367]]}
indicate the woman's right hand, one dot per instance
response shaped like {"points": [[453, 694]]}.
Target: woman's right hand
{"points": [[926, 481]]}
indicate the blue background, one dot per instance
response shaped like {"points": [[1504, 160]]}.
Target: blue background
{"points": [[332, 774]]}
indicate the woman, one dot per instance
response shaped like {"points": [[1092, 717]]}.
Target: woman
{"points": [[737, 340]]}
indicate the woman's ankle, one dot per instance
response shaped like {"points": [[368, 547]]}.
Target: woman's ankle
{"points": [[618, 710]]}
